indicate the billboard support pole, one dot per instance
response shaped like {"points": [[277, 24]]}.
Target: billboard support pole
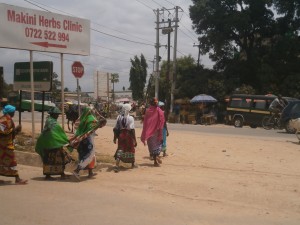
{"points": [[32, 96], [62, 91]]}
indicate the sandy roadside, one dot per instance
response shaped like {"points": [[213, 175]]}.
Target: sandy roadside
{"points": [[205, 180]]}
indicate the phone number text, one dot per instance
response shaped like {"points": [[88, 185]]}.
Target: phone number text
{"points": [[46, 34]]}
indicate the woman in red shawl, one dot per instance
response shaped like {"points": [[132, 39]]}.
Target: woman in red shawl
{"points": [[152, 130]]}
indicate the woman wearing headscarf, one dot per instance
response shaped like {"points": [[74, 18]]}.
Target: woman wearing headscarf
{"points": [[124, 132], [84, 143], [8, 131], [50, 144], [152, 130], [165, 129]]}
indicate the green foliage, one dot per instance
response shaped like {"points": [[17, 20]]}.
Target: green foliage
{"points": [[114, 79], [245, 89], [137, 77], [56, 88], [254, 43]]}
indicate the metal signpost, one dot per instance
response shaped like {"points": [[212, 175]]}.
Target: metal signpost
{"points": [[78, 71]]}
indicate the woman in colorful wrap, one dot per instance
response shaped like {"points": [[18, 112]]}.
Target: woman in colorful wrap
{"points": [[8, 130], [84, 143], [50, 144], [165, 129], [152, 130], [125, 133]]}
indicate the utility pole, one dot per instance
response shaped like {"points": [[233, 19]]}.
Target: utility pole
{"points": [[157, 55], [169, 48], [97, 85], [198, 64], [174, 75], [167, 30], [107, 87], [1, 82]]}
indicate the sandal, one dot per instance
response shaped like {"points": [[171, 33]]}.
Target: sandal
{"points": [[156, 165], [92, 175], [76, 175], [158, 160], [49, 178], [21, 182], [116, 169]]}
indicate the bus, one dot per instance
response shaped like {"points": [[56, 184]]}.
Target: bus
{"points": [[14, 99], [249, 110]]}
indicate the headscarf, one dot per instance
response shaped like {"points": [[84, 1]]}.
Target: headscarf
{"points": [[87, 122], [52, 136], [124, 117], [154, 120], [126, 109], [87, 125], [9, 109], [54, 110]]}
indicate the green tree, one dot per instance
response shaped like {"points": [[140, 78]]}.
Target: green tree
{"points": [[191, 80], [228, 27], [137, 77], [56, 88], [114, 79], [252, 42]]}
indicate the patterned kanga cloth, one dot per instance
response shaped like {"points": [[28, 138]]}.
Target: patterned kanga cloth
{"points": [[154, 144], [8, 161], [126, 150]]}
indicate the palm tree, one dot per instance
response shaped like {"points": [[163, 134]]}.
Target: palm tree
{"points": [[114, 79]]}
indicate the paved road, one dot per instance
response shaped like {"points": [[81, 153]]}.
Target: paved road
{"points": [[211, 129]]}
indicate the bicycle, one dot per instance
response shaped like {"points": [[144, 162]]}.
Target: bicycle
{"points": [[272, 121]]}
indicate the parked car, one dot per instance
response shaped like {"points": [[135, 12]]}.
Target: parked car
{"points": [[291, 111]]}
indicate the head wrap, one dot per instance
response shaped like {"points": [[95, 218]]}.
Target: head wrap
{"points": [[154, 102], [161, 104], [126, 109], [54, 110], [9, 109]]}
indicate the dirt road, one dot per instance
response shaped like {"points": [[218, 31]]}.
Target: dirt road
{"points": [[205, 180]]}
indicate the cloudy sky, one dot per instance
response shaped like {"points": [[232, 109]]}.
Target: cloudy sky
{"points": [[124, 28]]}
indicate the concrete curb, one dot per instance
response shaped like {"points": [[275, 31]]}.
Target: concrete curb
{"points": [[28, 159]]}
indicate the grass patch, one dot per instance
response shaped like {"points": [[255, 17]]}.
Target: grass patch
{"points": [[23, 142]]}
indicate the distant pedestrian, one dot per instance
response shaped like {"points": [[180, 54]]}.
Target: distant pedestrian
{"points": [[8, 131], [165, 129], [124, 133], [50, 145], [152, 130]]}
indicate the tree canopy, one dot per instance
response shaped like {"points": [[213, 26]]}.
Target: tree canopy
{"points": [[138, 76], [253, 42]]}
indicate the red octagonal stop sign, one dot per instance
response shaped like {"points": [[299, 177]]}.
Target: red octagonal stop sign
{"points": [[77, 69]]}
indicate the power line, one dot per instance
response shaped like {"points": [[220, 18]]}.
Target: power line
{"points": [[124, 39], [37, 5], [169, 2], [187, 35], [157, 3], [110, 58], [100, 46], [144, 4]]}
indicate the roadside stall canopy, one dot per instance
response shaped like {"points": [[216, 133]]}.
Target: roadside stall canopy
{"points": [[182, 101], [203, 98], [123, 100]]}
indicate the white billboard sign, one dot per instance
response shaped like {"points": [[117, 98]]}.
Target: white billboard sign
{"points": [[22, 28]]}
